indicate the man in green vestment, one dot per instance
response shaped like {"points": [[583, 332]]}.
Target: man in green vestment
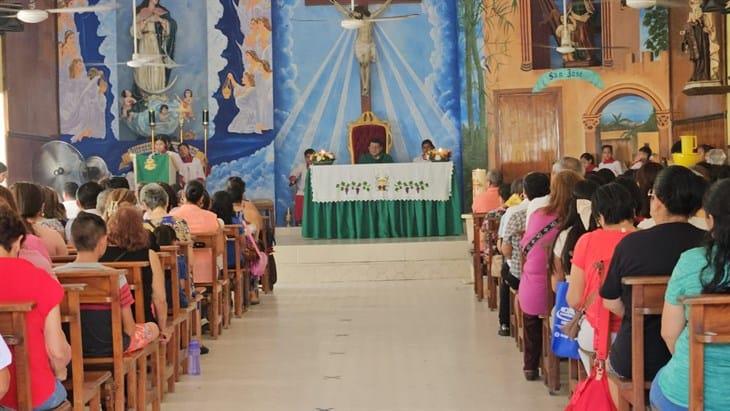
{"points": [[375, 154]]}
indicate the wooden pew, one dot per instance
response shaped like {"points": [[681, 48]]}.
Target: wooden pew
{"points": [[13, 330], [268, 212], [236, 273], [179, 317], [490, 250], [130, 370], [550, 363], [647, 298], [708, 324], [217, 284], [478, 220], [85, 386]]}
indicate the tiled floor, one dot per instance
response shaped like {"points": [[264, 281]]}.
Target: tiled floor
{"points": [[372, 346]]}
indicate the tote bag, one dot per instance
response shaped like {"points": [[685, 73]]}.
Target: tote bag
{"points": [[562, 345]]}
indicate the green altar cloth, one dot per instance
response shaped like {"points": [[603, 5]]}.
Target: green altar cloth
{"points": [[381, 219]]}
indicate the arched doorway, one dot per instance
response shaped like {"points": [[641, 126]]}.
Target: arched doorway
{"points": [[592, 116]]}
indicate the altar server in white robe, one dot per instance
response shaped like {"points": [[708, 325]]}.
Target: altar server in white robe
{"points": [[191, 167], [426, 146]]}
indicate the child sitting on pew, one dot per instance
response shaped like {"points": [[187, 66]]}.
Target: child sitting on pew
{"points": [[89, 234]]}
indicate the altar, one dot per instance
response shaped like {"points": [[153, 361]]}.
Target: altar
{"points": [[382, 201]]}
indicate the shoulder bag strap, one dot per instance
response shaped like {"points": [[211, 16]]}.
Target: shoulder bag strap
{"points": [[528, 247]]}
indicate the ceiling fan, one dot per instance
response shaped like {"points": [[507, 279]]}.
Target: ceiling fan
{"points": [[33, 15], [354, 21]]}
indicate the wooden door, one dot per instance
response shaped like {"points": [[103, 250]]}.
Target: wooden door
{"points": [[528, 131]]}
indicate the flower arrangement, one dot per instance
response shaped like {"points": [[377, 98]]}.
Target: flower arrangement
{"points": [[323, 157], [439, 154]]}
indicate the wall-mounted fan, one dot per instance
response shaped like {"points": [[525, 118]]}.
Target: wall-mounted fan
{"points": [[33, 14]]}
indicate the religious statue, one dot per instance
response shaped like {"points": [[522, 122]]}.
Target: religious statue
{"points": [[564, 32], [699, 40], [156, 32], [365, 51]]}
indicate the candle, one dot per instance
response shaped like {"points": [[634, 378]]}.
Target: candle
{"points": [[151, 115], [205, 117]]}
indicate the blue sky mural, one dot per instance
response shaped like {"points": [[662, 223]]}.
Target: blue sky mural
{"points": [[633, 108]]}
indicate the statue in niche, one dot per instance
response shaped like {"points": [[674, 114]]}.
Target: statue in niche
{"points": [[579, 14], [699, 41], [156, 32]]}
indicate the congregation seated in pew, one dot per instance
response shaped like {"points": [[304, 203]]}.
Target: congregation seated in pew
{"points": [[489, 199], [677, 194], [32, 248], [86, 198], [701, 270], [89, 233], [49, 352], [200, 220]]}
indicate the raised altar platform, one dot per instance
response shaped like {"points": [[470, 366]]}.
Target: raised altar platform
{"points": [[300, 260]]}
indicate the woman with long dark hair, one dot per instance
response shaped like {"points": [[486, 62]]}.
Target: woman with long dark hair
{"points": [[702, 270]]}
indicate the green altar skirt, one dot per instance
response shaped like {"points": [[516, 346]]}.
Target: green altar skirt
{"points": [[381, 219]]}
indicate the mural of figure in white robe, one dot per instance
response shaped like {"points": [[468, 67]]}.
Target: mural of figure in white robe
{"points": [[83, 113], [247, 103], [156, 31]]}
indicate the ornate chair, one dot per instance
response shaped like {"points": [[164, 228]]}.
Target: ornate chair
{"points": [[364, 129]]}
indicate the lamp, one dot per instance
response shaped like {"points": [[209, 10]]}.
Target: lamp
{"points": [[640, 4], [32, 16]]}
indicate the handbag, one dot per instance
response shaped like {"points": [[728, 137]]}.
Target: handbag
{"points": [[572, 327], [593, 394], [258, 263], [563, 345]]}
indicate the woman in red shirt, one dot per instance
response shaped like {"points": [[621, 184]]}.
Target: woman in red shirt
{"points": [[614, 209], [48, 350]]}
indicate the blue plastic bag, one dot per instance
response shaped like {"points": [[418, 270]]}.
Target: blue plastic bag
{"points": [[562, 345]]}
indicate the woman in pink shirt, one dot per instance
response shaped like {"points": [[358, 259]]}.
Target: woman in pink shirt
{"points": [[592, 256], [199, 220], [539, 235]]}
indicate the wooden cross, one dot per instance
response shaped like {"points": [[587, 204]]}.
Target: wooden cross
{"points": [[365, 95]]}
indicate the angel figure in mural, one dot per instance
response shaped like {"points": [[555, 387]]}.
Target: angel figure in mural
{"points": [[365, 50], [251, 9], [699, 40], [186, 105], [246, 101], [68, 48], [84, 95], [156, 34]]}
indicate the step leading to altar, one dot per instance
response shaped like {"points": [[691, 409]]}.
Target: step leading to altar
{"points": [[300, 260]]}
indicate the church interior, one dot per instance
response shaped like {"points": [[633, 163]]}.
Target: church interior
{"points": [[364, 205]]}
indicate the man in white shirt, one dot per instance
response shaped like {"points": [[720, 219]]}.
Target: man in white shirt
{"points": [[86, 200], [565, 163], [5, 361], [426, 146], [298, 177], [69, 200]]}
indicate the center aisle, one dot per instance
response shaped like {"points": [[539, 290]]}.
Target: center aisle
{"points": [[367, 346]]}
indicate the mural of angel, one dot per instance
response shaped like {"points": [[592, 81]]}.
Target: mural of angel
{"points": [[186, 105], [83, 113], [247, 103], [156, 33]]}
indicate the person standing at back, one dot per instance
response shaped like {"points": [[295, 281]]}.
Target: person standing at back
{"points": [[69, 200]]}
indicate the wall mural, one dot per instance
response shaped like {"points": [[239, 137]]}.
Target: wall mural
{"points": [[252, 57], [105, 104], [415, 82]]}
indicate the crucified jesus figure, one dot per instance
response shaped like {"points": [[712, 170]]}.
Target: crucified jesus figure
{"points": [[364, 43]]}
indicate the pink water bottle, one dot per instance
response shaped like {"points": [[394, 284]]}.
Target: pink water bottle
{"points": [[194, 357]]}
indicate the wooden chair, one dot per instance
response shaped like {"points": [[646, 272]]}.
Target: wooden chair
{"points": [[576, 374], [13, 330], [490, 250], [708, 324], [130, 370], [363, 130], [85, 386], [206, 274], [647, 298], [550, 363], [520, 328], [478, 220], [234, 235]]}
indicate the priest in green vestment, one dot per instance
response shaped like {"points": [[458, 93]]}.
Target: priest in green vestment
{"points": [[375, 154]]}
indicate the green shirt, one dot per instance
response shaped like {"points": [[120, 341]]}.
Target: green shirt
{"points": [[674, 377], [369, 159]]}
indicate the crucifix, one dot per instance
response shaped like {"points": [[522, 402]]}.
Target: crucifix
{"points": [[365, 51]]}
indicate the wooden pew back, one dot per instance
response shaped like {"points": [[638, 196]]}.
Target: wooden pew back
{"points": [[708, 324], [478, 220], [13, 330]]}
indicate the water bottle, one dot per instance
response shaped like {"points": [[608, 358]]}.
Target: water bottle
{"points": [[194, 357]]}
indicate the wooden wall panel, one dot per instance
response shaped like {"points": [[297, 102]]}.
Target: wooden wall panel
{"points": [[709, 130], [528, 131], [31, 81]]}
